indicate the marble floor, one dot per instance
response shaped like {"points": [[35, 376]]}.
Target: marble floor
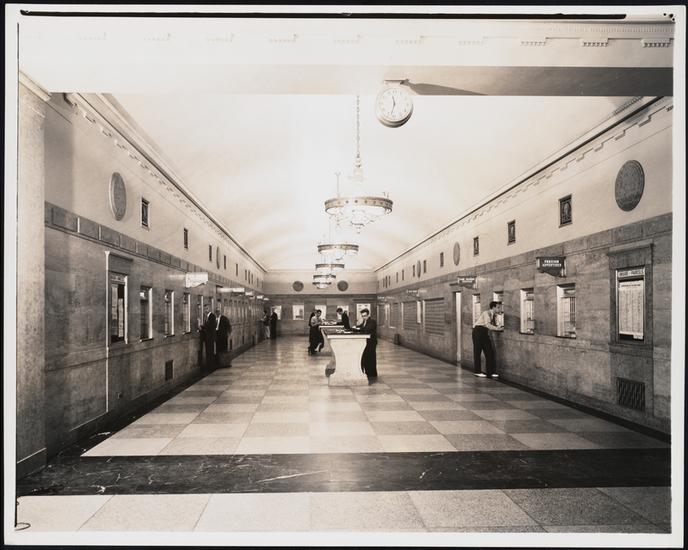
{"points": [[428, 448]]}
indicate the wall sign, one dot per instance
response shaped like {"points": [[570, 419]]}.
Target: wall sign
{"points": [[118, 196], [552, 265], [412, 292], [467, 282], [195, 279], [630, 183]]}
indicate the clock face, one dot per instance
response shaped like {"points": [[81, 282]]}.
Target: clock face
{"points": [[393, 106]]}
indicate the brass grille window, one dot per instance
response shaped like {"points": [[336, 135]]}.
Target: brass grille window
{"points": [[566, 311], [118, 305], [146, 309], [527, 311], [168, 319]]}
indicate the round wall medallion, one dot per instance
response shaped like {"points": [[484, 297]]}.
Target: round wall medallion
{"points": [[342, 285], [118, 196], [418, 268], [457, 253], [217, 256], [630, 182], [297, 286]]}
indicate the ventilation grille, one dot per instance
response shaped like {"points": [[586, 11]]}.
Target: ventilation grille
{"points": [[169, 370], [630, 394]]}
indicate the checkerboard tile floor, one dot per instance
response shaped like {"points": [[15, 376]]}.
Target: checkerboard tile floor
{"points": [[276, 399]]}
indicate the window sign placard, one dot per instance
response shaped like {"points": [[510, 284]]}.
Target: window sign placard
{"points": [[630, 289]]}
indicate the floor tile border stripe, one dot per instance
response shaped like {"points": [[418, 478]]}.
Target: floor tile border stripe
{"points": [[347, 472]]}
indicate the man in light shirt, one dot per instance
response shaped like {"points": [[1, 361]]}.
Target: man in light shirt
{"points": [[482, 342]]}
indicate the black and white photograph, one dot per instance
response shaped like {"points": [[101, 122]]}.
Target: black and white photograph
{"points": [[229, 319]]}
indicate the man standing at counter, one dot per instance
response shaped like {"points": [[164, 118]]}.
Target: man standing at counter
{"points": [[344, 319], [483, 344], [369, 358]]}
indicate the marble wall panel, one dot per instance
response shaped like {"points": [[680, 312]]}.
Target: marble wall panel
{"points": [[89, 228], [30, 282], [584, 368], [74, 396]]}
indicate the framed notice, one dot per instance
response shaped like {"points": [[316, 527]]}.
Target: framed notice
{"points": [[630, 292], [297, 312]]}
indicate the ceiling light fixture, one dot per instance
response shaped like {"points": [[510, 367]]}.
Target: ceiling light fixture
{"points": [[328, 268], [322, 278], [357, 209], [334, 250]]}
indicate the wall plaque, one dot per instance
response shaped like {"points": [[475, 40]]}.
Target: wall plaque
{"points": [[457, 253], [297, 286], [630, 183], [118, 196], [342, 285]]}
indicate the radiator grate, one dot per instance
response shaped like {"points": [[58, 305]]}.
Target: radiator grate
{"points": [[630, 394]]}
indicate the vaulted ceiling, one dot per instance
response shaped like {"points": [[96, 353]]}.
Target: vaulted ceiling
{"points": [[257, 115]]}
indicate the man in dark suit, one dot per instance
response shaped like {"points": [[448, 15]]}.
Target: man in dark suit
{"points": [[273, 324], [369, 358], [344, 319], [208, 330], [224, 328]]}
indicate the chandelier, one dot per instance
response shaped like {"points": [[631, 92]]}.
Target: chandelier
{"points": [[334, 250], [357, 209], [328, 268], [323, 281], [323, 278]]}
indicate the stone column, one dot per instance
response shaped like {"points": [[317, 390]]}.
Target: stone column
{"points": [[31, 450]]}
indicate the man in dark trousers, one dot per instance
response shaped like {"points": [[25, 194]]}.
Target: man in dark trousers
{"points": [[273, 324], [224, 328], [483, 344], [344, 319], [208, 330], [369, 358]]}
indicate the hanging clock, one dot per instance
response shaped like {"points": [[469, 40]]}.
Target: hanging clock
{"points": [[393, 106]]}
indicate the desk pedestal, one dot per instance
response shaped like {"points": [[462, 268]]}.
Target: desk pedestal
{"points": [[347, 350]]}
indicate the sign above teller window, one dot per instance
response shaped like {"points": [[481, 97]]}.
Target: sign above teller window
{"points": [[195, 279], [468, 282], [552, 265], [412, 292]]}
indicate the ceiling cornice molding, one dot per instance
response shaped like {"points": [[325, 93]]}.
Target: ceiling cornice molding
{"points": [[36, 88], [614, 128], [98, 110]]}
